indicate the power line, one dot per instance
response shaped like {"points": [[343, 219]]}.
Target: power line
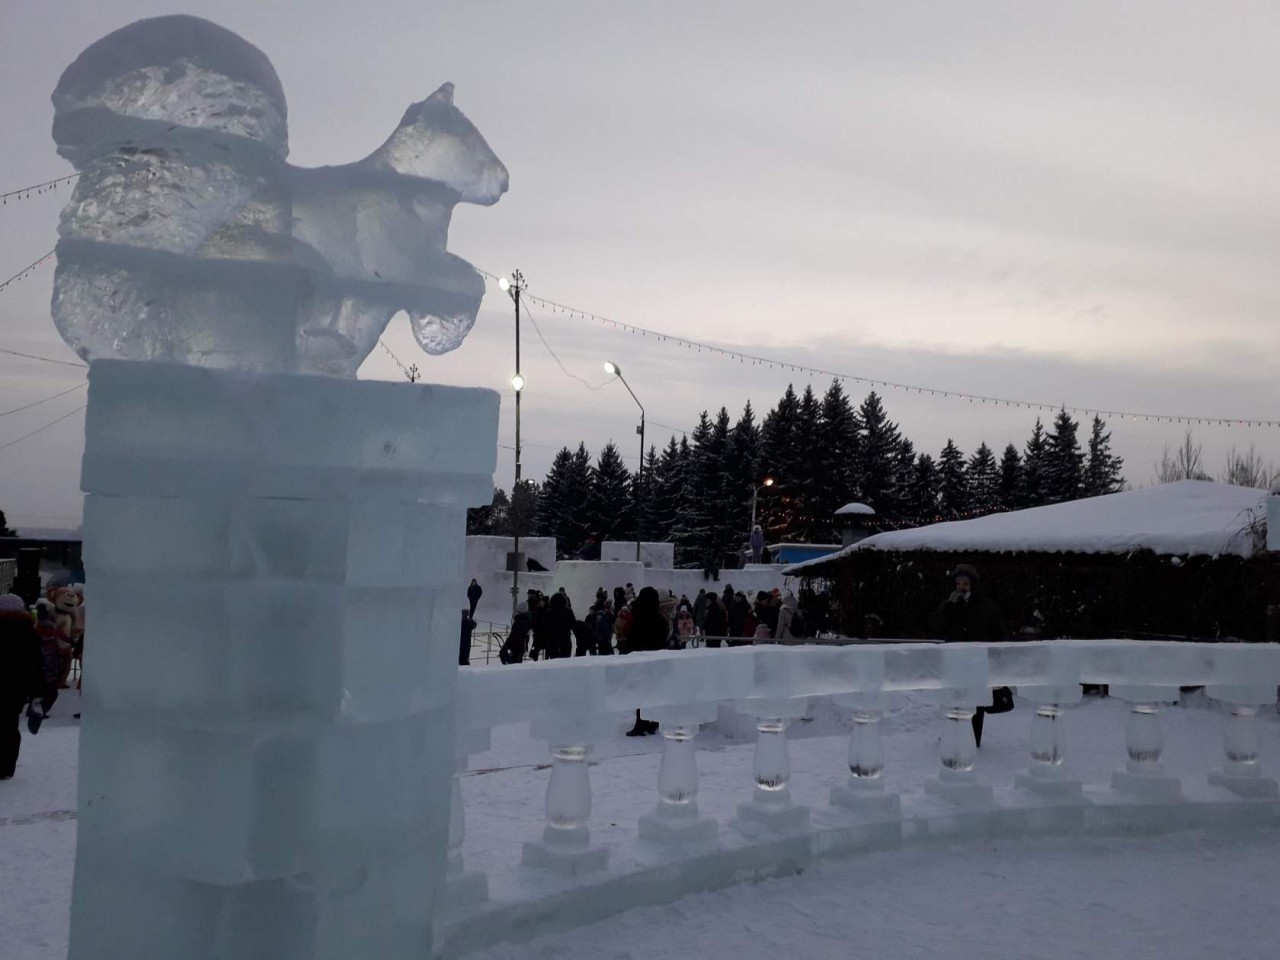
{"points": [[23, 193], [51, 423], [774, 363], [36, 403], [32, 356], [27, 270]]}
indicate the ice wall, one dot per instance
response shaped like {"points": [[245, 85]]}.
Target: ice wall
{"points": [[267, 751], [190, 239]]}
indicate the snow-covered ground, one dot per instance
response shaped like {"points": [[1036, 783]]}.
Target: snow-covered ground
{"points": [[1189, 894]]}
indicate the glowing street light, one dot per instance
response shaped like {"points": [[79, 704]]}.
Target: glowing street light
{"points": [[517, 383]]}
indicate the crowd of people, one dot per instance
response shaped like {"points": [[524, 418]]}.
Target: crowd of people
{"points": [[623, 621], [37, 651]]}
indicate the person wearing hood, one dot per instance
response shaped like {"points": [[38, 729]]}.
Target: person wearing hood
{"points": [[715, 621], [786, 614], [649, 630], [757, 543], [21, 675], [517, 642], [557, 625], [968, 616]]}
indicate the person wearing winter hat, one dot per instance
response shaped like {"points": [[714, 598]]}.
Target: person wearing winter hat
{"points": [[21, 675], [967, 616], [517, 642], [650, 629]]}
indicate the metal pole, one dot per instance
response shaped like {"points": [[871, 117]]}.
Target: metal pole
{"points": [[640, 487], [517, 281]]}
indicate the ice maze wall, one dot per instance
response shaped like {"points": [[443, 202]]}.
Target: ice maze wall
{"points": [[267, 745]]}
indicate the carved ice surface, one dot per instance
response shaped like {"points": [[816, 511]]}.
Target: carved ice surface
{"points": [[189, 238]]}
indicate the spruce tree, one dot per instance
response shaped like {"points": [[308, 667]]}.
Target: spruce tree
{"points": [[609, 505], [1063, 460], [649, 527], [922, 504], [693, 533], [780, 458], [1033, 467], [836, 458], [808, 522], [1102, 468], [879, 449], [904, 478], [953, 487], [1009, 490], [523, 510], [667, 490], [984, 481], [553, 499], [743, 468]]}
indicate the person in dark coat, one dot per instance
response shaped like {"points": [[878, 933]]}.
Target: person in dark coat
{"points": [[517, 642], [715, 622], [649, 631], [21, 675], [602, 625], [585, 638], [557, 625], [738, 609], [967, 616], [727, 596], [474, 593], [464, 643]]}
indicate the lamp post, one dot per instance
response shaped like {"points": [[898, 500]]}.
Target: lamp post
{"points": [[612, 368], [512, 288], [755, 492]]}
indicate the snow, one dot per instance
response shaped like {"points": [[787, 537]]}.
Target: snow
{"points": [[1187, 894], [860, 509], [1187, 517]]}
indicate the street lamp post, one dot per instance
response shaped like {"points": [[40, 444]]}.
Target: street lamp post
{"points": [[755, 492], [612, 368], [512, 288]]}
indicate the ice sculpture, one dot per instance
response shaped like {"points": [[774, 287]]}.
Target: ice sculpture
{"points": [[190, 239]]}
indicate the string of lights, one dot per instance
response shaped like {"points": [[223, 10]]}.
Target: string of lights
{"points": [[26, 271], [773, 363], [24, 193]]}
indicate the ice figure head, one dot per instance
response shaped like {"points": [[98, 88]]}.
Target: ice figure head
{"points": [[190, 239], [436, 142]]}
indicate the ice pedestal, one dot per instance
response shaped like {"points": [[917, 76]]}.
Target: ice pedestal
{"points": [[676, 818], [1241, 771], [770, 806], [565, 846], [864, 793], [1144, 775], [268, 735]]}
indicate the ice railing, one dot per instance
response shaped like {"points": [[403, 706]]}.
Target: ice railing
{"points": [[573, 704]]}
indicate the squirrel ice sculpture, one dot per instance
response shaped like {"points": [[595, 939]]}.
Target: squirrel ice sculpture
{"points": [[190, 239]]}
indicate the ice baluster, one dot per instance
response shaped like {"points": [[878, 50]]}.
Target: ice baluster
{"points": [[770, 804], [676, 817], [864, 792], [964, 670], [1241, 770], [565, 845], [1144, 775]]}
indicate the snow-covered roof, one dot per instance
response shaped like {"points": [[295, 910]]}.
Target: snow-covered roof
{"points": [[1187, 517], [855, 508]]}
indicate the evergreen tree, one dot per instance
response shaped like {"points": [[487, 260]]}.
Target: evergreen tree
{"points": [[809, 524], [609, 505], [904, 478], [984, 481], [779, 458], [1063, 460], [4, 527], [523, 508], [880, 440], [667, 489], [645, 489], [1009, 490], [1033, 467], [1102, 468], [922, 504], [693, 533], [953, 486], [835, 460], [743, 467], [485, 521], [553, 498]]}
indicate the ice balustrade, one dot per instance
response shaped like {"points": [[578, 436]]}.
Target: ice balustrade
{"points": [[574, 704]]}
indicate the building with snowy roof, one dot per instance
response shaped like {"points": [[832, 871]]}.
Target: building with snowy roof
{"points": [[1179, 559]]}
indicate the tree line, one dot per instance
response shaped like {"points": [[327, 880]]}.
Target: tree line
{"points": [[822, 453]]}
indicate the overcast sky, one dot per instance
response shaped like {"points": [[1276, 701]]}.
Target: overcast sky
{"points": [[1073, 203]]}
